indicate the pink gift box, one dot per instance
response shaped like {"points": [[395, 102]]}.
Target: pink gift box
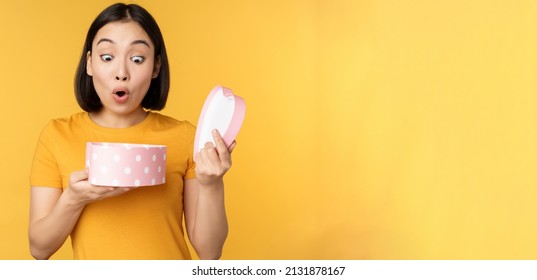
{"points": [[223, 111], [125, 165]]}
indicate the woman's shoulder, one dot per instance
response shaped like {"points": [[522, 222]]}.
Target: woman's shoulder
{"points": [[61, 123], [74, 118], [59, 127], [165, 121]]}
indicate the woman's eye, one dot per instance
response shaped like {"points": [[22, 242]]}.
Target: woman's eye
{"points": [[137, 59], [107, 57]]}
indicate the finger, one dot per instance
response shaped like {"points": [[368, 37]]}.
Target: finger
{"points": [[208, 146], [196, 157], [120, 190], [112, 191], [209, 151], [202, 163], [210, 154], [201, 158], [232, 147], [101, 189], [80, 175], [221, 146]]}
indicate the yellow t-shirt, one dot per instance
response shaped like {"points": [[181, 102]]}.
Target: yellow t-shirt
{"points": [[144, 223]]}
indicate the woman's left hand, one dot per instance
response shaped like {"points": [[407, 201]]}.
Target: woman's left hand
{"points": [[213, 162]]}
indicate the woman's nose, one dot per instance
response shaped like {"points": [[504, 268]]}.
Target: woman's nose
{"points": [[122, 73], [121, 77]]}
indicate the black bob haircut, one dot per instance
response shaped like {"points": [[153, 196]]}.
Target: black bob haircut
{"points": [[157, 94]]}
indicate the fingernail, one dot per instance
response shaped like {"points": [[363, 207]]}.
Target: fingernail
{"points": [[207, 147]]}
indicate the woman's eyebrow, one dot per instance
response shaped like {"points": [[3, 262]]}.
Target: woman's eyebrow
{"points": [[105, 40], [144, 42], [135, 42]]}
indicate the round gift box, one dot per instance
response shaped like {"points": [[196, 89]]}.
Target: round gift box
{"points": [[125, 164], [222, 110]]}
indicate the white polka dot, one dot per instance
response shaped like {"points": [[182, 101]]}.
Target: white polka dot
{"points": [[153, 181], [146, 146], [104, 169], [137, 182], [146, 170], [127, 170], [94, 181], [159, 169], [164, 157], [115, 183], [87, 163], [94, 156], [138, 158], [116, 158], [154, 157]]}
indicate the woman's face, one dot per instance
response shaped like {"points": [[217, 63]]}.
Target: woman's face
{"points": [[122, 65]]}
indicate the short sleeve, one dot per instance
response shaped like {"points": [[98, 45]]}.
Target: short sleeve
{"points": [[191, 165], [45, 171]]}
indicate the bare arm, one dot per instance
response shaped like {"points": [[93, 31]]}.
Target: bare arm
{"points": [[52, 217], [205, 213], [53, 213]]}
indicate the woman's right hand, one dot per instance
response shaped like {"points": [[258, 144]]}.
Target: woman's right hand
{"points": [[83, 192]]}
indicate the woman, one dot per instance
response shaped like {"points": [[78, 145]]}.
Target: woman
{"points": [[122, 79]]}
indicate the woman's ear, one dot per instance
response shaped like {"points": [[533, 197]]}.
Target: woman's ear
{"points": [[156, 68], [89, 70]]}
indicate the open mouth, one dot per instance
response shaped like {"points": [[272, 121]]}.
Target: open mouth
{"points": [[121, 95]]}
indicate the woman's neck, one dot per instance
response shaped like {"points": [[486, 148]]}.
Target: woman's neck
{"points": [[109, 119]]}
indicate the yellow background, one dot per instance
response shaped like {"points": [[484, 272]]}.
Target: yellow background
{"points": [[374, 129]]}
